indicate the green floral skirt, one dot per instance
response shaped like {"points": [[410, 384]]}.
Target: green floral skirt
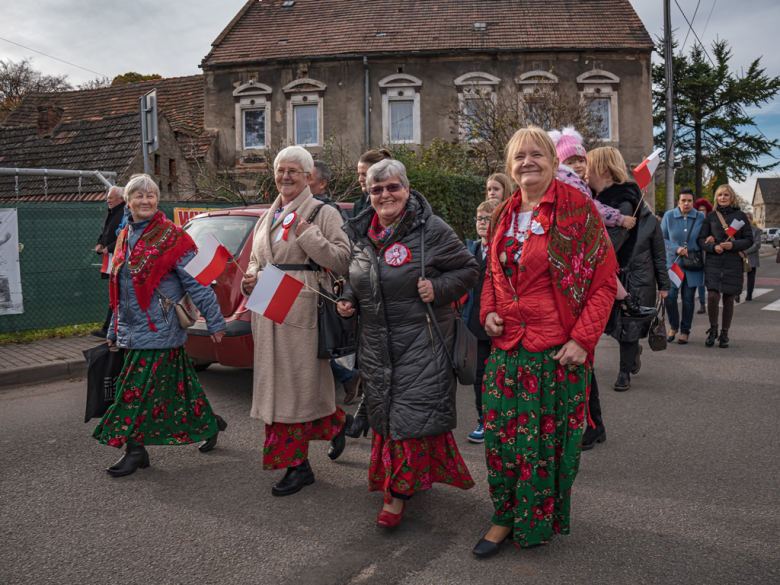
{"points": [[535, 413], [158, 401]]}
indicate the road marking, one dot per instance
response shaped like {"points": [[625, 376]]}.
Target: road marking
{"points": [[772, 306], [757, 292]]}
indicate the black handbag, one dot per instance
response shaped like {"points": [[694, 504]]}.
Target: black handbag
{"points": [[463, 357], [103, 369], [657, 336], [694, 260]]}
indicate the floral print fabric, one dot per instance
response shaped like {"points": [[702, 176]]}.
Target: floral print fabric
{"points": [[287, 444], [412, 465], [534, 411], [159, 401]]}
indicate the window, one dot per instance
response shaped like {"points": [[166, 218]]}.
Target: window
{"points": [[600, 89], [253, 107], [306, 125], [476, 99], [157, 164], [600, 116], [254, 128], [305, 111], [534, 88], [172, 170], [401, 108]]}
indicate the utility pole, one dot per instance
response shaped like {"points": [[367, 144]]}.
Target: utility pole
{"points": [[669, 105]]}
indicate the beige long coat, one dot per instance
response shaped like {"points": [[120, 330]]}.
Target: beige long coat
{"points": [[290, 384]]}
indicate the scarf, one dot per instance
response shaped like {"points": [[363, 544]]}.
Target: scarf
{"points": [[161, 246], [379, 235]]}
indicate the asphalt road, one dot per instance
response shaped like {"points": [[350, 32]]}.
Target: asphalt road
{"points": [[685, 490]]}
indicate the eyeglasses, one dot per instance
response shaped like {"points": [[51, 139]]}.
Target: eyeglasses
{"points": [[292, 174], [482, 219], [391, 188]]}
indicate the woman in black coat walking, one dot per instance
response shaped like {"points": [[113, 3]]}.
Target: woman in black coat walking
{"points": [[723, 270], [408, 381]]}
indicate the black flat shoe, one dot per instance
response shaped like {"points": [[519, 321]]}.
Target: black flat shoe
{"points": [[623, 382], [712, 335], [360, 422], [672, 334], [749, 297], [135, 457], [211, 442], [592, 436], [723, 340], [682, 341], [338, 443], [294, 480], [485, 548], [637, 362]]}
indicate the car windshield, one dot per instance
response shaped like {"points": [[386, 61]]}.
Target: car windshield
{"points": [[231, 230]]}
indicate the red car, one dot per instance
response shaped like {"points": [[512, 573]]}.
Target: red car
{"points": [[235, 229]]}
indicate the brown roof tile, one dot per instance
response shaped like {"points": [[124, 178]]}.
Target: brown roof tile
{"points": [[337, 27]]}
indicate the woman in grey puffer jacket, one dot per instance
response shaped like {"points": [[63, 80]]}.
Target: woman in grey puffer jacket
{"points": [[408, 381], [158, 398]]}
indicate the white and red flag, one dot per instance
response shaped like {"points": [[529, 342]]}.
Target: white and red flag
{"points": [[735, 226], [106, 267], [210, 261], [676, 274], [274, 294], [644, 172]]}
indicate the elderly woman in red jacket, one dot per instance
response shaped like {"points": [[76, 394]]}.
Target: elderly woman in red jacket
{"points": [[548, 292]]}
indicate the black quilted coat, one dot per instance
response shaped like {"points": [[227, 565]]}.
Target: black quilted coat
{"points": [[408, 381], [723, 272]]}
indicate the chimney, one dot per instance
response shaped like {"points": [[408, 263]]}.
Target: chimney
{"points": [[48, 118]]}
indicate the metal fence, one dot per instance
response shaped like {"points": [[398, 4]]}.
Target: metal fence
{"points": [[60, 271]]}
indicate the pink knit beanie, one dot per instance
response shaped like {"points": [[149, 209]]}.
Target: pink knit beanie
{"points": [[568, 143]]}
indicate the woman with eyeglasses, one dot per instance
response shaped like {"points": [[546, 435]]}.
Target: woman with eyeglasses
{"points": [[408, 380], [294, 392]]}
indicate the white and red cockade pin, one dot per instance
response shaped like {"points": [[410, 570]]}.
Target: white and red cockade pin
{"points": [[286, 223], [397, 255]]}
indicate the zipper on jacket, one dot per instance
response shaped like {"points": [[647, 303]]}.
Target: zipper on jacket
{"points": [[165, 315], [433, 347]]}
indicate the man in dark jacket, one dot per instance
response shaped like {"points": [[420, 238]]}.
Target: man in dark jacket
{"points": [[107, 239]]}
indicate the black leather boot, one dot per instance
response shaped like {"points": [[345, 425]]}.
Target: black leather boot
{"points": [[712, 335], [135, 457], [338, 442], [591, 436], [631, 310], [623, 382], [211, 442], [637, 362], [702, 309], [294, 480], [360, 421], [723, 340]]}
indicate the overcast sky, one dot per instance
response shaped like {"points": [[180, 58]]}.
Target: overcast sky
{"points": [[170, 38]]}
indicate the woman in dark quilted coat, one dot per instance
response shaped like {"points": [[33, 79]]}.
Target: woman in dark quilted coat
{"points": [[408, 381], [723, 270]]}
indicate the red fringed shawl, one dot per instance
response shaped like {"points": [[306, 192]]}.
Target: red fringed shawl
{"points": [[160, 247]]}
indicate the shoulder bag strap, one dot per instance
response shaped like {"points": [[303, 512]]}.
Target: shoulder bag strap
{"points": [[431, 316], [313, 265]]}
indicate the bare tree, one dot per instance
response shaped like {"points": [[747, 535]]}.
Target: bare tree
{"points": [[97, 83], [17, 79]]}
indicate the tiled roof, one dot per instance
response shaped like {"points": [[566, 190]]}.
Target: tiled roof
{"points": [[181, 99], [109, 144], [770, 189], [266, 30]]}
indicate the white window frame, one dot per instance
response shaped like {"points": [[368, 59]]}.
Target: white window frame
{"points": [[467, 86], [600, 84], [247, 97], [401, 87], [304, 92]]}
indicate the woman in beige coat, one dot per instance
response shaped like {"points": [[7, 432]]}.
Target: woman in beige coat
{"points": [[294, 392]]}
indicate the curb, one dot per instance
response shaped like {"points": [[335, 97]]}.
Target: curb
{"points": [[48, 372]]}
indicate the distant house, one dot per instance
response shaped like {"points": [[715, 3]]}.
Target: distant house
{"points": [[99, 129], [766, 203], [295, 71]]}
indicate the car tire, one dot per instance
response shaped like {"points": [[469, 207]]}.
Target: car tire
{"points": [[201, 367]]}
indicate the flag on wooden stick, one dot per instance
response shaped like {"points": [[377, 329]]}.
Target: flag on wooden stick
{"points": [[106, 267], [644, 172], [210, 261], [676, 274], [735, 226], [274, 294]]}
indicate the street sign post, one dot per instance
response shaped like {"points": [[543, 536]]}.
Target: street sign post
{"points": [[149, 138]]}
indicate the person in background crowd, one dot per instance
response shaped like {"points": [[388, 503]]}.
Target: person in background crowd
{"points": [[158, 398], [498, 188], [471, 309], [705, 207], [545, 308], [660, 214], [294, 392], [640, 253], [723, 270], [753, 257], [681, 228], [365, 161], [107, 239], [319, 181], [408, 380]]}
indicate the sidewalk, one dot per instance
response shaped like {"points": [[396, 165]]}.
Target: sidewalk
{"points": [[44, 361]]}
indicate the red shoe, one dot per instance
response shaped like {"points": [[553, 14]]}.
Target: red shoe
{"points": [[388, 519]]}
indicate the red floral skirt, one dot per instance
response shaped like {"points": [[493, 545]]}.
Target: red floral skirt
{"points": [[412, 465], [287, 444]]}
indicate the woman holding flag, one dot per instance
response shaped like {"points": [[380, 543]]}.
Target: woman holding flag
{"points": [[158, 398], [725, 235], [294, 393]]}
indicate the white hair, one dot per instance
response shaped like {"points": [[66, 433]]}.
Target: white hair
{"points": [[119, 191], [385, 169], [140, 183], [297, 155]]}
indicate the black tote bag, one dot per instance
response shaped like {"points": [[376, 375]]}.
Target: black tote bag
{"points": [[104, 367]]}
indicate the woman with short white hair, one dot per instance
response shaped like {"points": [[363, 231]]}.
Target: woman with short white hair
{"points": [[294, 392]]}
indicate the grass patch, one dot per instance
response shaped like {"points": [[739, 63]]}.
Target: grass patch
{"points": [[52, 333]]}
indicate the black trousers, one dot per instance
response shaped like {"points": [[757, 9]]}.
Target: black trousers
{"points": [[751, 278], [483, 353], [594, 404], [107, 324], [628, 353]]}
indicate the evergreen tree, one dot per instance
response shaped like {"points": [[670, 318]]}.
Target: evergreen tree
{"points": [[711, 127]]}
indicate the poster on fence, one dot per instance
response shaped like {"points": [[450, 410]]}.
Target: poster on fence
{"points": [[10, 279]]}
